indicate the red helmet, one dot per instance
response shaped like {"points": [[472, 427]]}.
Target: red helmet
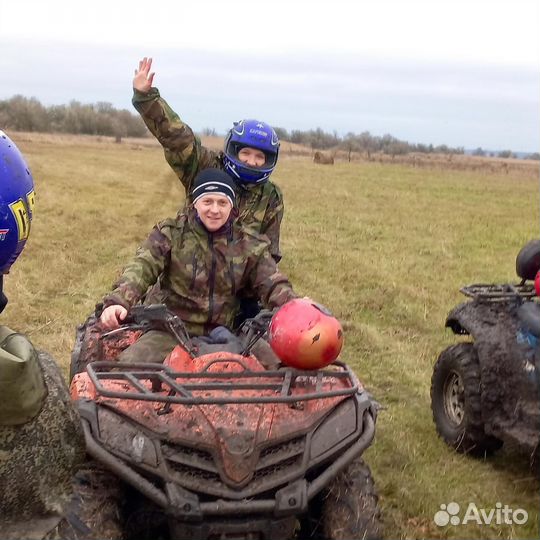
{"points": [[304, 335], [537, 283]]}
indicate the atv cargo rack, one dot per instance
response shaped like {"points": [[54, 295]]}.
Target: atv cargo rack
{"points": [[490, 292], [156, 382]]}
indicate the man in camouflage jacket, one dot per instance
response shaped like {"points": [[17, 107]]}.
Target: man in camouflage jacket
{"points": [[202, 265], [259, 201]]}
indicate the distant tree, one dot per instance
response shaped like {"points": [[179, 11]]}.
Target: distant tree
{"points": [[319, 139], [57, 117], [282, 133], [134, 126], [298, 137], [535, 156], [350, 144], [479, 152], [396, 148], [367, 143], [505, 154], [118, 129], [386, 142], [23, 114], [104, 107], [442, 149], [209, 132]]}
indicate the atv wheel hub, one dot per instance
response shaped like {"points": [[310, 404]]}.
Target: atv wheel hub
{"points": [[454, 398]]}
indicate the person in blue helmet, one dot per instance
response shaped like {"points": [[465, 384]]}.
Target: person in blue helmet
{"points": [[43, 483], [249, 156], [41, 440]]}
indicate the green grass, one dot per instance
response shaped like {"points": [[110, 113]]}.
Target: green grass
{"points": [[385, 247]]}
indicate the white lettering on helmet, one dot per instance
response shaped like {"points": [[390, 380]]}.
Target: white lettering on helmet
{"points": [[259, 132]]}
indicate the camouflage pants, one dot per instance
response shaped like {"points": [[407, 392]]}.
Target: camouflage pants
{"points": [[153, 346]]}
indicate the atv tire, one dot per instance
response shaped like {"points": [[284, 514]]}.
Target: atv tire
{"points": [[456, 401], [348, 507], [95, 509]]}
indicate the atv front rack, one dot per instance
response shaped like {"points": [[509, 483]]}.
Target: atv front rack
{"points": [[499, 293], [156, 382]]}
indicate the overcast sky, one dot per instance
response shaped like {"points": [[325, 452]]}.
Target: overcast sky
{"points": [[458, 72]]}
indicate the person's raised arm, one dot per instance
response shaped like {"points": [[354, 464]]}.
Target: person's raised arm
{"points": [[183, 150]]}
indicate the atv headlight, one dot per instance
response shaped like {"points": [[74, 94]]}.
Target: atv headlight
{"points": [[335, 428], [119, 434]]}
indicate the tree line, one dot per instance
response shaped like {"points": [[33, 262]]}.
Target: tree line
{"points": [[28, 114], [20, 113], [363, 142], [371, 144], [503, 154]]}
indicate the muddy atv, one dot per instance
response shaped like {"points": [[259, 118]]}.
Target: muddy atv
{"points": [[485, 391], [211, 445]]}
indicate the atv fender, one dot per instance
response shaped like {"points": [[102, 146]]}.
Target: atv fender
{"points": [[472, 318]]}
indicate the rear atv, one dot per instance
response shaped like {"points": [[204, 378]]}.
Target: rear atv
{"points": [[212, 445], [485, 392]]}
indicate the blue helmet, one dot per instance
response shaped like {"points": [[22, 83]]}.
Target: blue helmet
{"points": [[252, 134], [16, 202]]}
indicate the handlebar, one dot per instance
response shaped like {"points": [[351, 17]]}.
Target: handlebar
{"points": [[147, 316]]}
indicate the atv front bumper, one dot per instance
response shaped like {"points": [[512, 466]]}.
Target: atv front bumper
{"points": [[182, 504]]}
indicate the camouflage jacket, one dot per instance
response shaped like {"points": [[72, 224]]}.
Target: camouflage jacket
{"points": [[201, 273], [260, 206]]}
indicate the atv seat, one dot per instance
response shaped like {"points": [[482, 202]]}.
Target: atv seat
{"points": [[219, 339], [529, 316]]}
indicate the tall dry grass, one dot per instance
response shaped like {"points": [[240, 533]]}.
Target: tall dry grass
{"points": [[385, 246]]}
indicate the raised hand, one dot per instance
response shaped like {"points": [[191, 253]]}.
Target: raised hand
{"points": [[142, 81]]}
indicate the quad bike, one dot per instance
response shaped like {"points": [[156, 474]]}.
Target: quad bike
{"points": [[485, 391], [210, 445]]}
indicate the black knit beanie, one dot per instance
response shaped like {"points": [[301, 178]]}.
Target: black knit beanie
{"points": [[212, 182]]}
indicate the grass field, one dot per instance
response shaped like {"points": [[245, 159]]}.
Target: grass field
{"points": [[385, 246]]}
